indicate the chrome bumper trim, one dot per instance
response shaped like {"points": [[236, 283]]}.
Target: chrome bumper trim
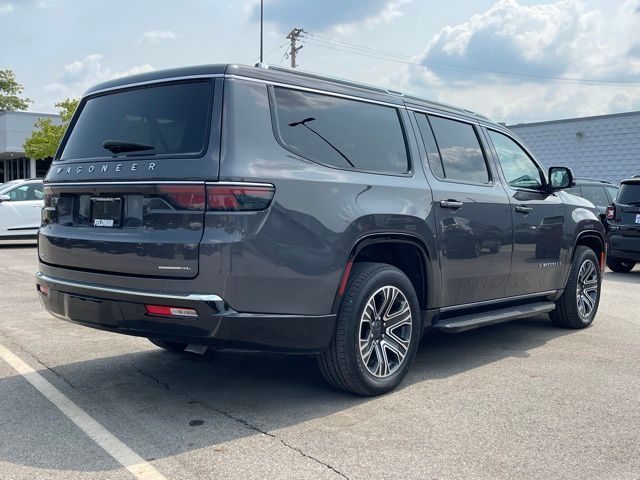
{"points": [[139, 293]]}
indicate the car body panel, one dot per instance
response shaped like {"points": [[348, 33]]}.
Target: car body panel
{"points": [[20, 217]]}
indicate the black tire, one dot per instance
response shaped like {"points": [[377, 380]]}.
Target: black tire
{"points": [[170, 346], [620, 265], [342, 364], [568, 312]]}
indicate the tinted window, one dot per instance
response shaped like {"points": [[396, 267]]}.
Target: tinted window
{"points": [[433, 155], [462, 157], [171, 119], [31, 191], [518, 168], [574, 191], [612, 191], [595, 195], [629, 194], [340, 132]]}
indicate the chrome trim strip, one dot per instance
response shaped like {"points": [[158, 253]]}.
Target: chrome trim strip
{"points": [[150, 82], [498, 300], [242, 184], [159, 182], [316, 90], [468, 119], [133, 182], [139, 293]]}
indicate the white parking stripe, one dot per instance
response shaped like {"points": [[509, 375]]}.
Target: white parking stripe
{"points": [[114, 447]]}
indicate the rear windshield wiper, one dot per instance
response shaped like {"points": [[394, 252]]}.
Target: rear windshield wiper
{"points": [[122, 146]]}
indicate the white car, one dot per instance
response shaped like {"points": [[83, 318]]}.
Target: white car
{"points": [[21, 202]]}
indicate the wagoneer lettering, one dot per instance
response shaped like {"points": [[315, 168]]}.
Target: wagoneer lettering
{"points": [[294, 213]]}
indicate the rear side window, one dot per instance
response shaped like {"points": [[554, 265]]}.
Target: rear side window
{"points": [[462, 156], [595, 195], [629, 194], [340, 132], [170, 119], [612, 191]]}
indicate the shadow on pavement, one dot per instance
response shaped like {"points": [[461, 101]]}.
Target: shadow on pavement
{"points": [[632, 277], [149, 398]]}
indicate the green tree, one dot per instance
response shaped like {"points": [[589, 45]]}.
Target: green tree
{"points": [[45, 139], [10, 91]]}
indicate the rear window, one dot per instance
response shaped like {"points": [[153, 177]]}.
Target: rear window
{"points": [[341, 133], [629, 194], [595, 195], [169, 119]]}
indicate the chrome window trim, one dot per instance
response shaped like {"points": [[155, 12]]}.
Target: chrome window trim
{"points": [[151, 82], [437, 113], [316, 90], [140, 293]]}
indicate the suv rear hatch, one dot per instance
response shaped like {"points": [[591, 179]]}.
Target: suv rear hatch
{"points": [[126, 193], [627, 205]]}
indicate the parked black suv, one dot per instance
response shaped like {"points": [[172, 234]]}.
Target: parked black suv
{"points": [[261, 208], [599, 192], [623, 219]]}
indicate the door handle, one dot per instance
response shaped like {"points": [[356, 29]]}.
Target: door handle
{"points": [[452, 204], [523, 209]]}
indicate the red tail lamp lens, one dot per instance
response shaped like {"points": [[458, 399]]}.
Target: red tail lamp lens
{"points": [[164, 311], [611, 213], [187, 197], [225, 198]]}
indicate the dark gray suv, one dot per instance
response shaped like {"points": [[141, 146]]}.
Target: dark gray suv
{"points": [[260, 208]]}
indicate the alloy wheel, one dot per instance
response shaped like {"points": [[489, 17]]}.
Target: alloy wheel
{"points": [[587, 288], [385, 331]]}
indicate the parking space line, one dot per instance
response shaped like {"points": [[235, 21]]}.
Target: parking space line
{"points": [[129, 459]]}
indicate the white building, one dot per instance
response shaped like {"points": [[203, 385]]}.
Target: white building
{"points": [[15, 128], [605, 147]]}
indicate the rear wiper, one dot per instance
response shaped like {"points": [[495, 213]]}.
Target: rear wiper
{"points": [[122, 146]]}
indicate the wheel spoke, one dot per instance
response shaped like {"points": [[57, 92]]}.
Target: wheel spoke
{"points": [[397, 346], [366, 349], [589, 302], [402, 317]]}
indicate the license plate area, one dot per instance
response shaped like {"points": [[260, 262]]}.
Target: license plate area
{"points": [[106, 212]]}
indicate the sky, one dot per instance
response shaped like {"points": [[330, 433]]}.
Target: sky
{"points": [[515, 61]]}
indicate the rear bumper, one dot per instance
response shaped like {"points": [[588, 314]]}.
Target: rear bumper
{"points": [[123, 311], [625, 247]]}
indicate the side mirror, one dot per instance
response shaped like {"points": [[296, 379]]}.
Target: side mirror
{"points": [[4, 198], [560, 178]]}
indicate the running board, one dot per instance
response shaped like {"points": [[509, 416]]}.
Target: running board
{"points": [[475, 320]]}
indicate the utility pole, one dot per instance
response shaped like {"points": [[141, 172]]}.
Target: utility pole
{"points": [[293, 36]]}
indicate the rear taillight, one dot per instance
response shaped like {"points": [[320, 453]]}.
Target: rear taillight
{"points": [[186, 197], [240, 198], [611, 212], [165, 311]]}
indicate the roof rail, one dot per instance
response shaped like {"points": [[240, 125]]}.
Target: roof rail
{"points": [[374, 88]]}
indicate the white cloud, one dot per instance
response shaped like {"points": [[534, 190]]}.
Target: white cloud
{"points": [[465, 64], [157, 36], [6, 8], [336, 15], [79, 75]]}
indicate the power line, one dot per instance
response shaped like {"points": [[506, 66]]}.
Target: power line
{"points": [[346, 47]]}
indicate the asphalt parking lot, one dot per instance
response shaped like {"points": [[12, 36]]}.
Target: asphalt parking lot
{"points": [[520, 400]]}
